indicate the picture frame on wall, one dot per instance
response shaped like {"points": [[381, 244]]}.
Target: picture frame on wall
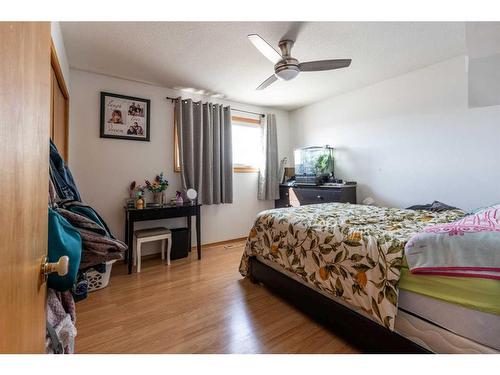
{"points": [[125, 117]]}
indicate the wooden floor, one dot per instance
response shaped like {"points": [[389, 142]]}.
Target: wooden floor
{"points": [[195, 307]]}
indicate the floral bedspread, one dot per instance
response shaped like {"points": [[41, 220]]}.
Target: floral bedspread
{"points": [[353, 252]]}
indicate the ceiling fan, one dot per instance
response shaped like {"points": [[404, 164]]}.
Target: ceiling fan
{"points": [[285, 66]]}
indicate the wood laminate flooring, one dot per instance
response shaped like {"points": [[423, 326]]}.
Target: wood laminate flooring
{"points": [[196, 307]]}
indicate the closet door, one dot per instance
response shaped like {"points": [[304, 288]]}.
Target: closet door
{"points": [[59, 108], [24, 142]]}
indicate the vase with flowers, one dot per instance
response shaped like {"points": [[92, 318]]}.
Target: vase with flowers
{"points": [[157, 187]]}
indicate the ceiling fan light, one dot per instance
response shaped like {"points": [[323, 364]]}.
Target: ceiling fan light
{"points": [[287, 73]]}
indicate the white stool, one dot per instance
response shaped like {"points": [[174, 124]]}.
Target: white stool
{"points": [[148, 235]]}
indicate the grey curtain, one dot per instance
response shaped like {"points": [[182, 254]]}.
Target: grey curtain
{"points": [[205, 150], [268, 173]]}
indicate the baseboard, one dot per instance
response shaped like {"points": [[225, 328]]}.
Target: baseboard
{"points": [[151, 252], [220, 243]]}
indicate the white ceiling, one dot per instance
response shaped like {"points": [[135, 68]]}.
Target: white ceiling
{"points": [[216, 56]]}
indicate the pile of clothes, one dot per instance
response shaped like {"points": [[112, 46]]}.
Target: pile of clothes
{"points": [[61, 318], [98, 246]]}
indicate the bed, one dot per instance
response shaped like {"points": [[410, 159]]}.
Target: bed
{"points": [[344, 264]]}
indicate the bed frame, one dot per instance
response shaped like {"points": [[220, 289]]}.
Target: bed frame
{"points": [[360, 331]]}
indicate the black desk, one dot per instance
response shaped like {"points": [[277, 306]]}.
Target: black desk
{"points": [[186, 210]]}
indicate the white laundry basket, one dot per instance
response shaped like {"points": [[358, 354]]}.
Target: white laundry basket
{"points": [[98, 280]]}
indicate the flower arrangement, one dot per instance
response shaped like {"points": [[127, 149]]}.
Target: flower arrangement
{"points": [[158, 185]]}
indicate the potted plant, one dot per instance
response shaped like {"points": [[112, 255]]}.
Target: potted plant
{"points": [[157, 187], [323, 163]]}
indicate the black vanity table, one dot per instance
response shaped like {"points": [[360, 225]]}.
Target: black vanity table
{"points": [[186, 210]]}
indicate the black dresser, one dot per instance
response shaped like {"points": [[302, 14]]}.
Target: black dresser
{"points": [[294, 196]]}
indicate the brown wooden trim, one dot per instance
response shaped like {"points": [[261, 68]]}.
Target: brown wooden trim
{"points": [[177, 161], [56, 66], [54, 60], [245, 170], [245, 119], [51, 103]]}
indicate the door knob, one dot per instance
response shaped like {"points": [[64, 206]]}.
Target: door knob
{"points": [[61, 266]]}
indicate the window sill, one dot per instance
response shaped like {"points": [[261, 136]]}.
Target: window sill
{"points": [[245, 170]]}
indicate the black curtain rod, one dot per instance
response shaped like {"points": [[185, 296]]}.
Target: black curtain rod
{"points": [[233, 109], [253, 113]]}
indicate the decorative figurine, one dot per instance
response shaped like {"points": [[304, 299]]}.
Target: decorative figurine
{"points": [[135, 192], [131, 189], [139, 203], [178, 198]]}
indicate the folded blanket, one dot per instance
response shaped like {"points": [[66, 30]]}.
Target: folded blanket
{"points": [[98, 244], [435, 206], [87, 211], [99, 249], [469, 247]]}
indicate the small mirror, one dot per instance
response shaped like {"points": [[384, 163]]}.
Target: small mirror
{"points": [[191, 194]]}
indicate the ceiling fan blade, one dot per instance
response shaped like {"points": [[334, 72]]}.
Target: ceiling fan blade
{"points": [[267, 82], [314, 66], [265, 48]]}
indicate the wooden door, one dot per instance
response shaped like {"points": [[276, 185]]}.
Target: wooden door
{"points": [[59, 130], [24, 173]]}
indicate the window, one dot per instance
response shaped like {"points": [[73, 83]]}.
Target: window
{"points": [[247, 144]]}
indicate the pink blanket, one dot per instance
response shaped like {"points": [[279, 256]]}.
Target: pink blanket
{"points": [[469, 247]]}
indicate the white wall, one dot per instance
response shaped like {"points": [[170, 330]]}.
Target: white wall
{"points": [[411, 139], [103, 168], [483, 49], [57, 38]]}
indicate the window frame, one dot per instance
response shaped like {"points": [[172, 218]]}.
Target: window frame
{"points": [[239, 169], [248, 120]]}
